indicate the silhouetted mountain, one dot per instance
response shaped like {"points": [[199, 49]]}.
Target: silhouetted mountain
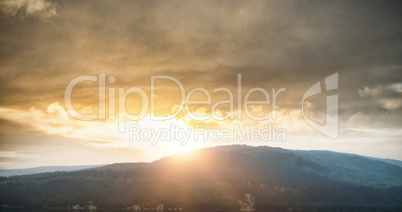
{"points": [[217, 178], [42, 169], [391, 161]]}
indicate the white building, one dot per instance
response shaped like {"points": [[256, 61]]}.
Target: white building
{"points": [[248, 204]]}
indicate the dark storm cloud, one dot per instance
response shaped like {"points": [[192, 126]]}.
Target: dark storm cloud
{"points": [[21, 9], [292, 44], [204, 43]]}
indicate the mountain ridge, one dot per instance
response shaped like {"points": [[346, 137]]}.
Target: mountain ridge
{"points": [[217, 178], [43, 169]]}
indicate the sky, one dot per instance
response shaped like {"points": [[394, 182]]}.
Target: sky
{"points": [[143, 51]]}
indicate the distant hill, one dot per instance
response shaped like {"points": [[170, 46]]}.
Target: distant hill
{"points": [[356, 169], [42, 169], [217, 178], [391, 161]]}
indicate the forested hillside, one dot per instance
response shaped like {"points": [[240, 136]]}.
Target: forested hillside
{"points": [[217, 178]]}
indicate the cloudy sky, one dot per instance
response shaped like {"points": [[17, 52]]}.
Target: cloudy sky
{"points": [[45, 44]]}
